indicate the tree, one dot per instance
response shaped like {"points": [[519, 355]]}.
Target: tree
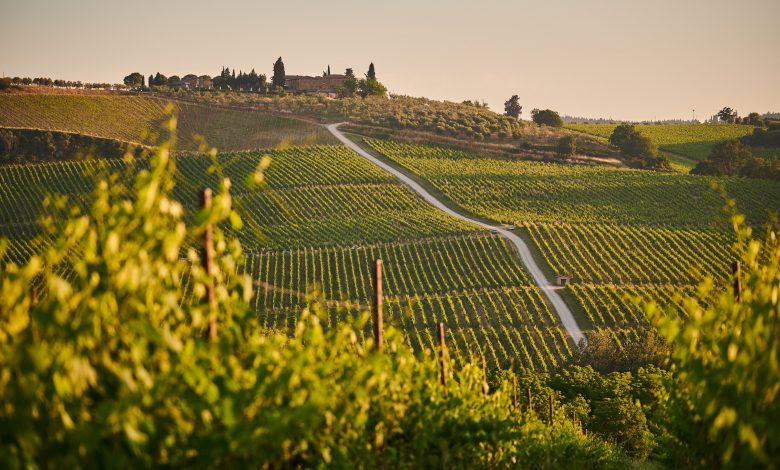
{"points": [[278, 78], [649, 348], [371, 74], [567, 146], [134, 80], [621, 135], [547, 117], [328, 69], [754, 119], [512, 107], [151, 80], [622, 420], [370, 87], [726, 159], [727, 115], [159, 79], [637, 150], [350, 85], [5, 83]]}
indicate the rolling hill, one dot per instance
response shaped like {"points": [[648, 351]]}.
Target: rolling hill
{"points": [[129, 118]]}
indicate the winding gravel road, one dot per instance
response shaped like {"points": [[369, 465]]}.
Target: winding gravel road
{"points": [[560, 307]]}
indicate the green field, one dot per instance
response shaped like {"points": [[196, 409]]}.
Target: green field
{"points": [[694, 141], [615, 232], [129, 118]]}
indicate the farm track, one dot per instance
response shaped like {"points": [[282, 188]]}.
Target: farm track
{"points": [[557, 303]]}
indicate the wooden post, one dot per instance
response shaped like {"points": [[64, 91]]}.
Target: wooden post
{"points": [[442, 352], [551, 410], [737, 281], [207, 259], [514, 392], [378, 321], [485, 386], [530, 403]]}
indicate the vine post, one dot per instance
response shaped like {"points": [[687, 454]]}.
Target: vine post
{"points": [[442, 353], [378, 321], [207, 259]]}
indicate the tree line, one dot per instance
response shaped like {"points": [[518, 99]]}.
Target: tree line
{"points": [[7, 82], [228, 80]]}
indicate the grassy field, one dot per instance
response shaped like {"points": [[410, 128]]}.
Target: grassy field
{"points": [[322, 219], [618, 233], [694, 141], [128, 118]]}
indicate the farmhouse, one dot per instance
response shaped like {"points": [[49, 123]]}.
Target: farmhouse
{"points": [[194, 82], [327, 85]]}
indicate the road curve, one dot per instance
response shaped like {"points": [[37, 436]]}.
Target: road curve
{"points": [[560, 307]]}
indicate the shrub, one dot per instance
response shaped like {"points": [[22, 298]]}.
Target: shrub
{"points": [[547, 117], [567, 146]]}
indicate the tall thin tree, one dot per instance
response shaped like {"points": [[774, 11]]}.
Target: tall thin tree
{"points": [[278, 78]]}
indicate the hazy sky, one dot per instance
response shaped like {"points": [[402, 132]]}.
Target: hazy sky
{"points": [[607, 58]]}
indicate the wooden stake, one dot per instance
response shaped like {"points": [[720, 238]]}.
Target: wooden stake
{"points": [[514, 392], [207, 259], [530, 403], [737, 281], [378, 321], [485, 387], [551, 410], [442, 352]]}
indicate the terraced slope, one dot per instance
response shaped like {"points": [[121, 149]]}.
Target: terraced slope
{"points": [[617, 233], [129, 118], [323, 218]]}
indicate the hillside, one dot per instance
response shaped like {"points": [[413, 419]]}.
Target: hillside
{"points": [[619, 234], [410, 119], [324, 217], [128, 118], [694, 141]]}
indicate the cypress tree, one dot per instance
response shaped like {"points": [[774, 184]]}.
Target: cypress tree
{"points": [[371, 75], [278, 78]]}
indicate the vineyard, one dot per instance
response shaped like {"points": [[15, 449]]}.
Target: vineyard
{"points": [[321, 220], [618, 234], [695, 141], [128, 118], [515, 191]]}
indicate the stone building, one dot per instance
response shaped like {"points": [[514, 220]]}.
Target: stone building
{"points": [[327, 85]]}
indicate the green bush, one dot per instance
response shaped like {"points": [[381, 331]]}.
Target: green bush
{"points": [[727, 358]]}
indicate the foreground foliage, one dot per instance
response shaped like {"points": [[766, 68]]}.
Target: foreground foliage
{"points": [[727, 363]]}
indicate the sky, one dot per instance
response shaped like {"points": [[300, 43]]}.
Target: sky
{"points": [[621, 59]]}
